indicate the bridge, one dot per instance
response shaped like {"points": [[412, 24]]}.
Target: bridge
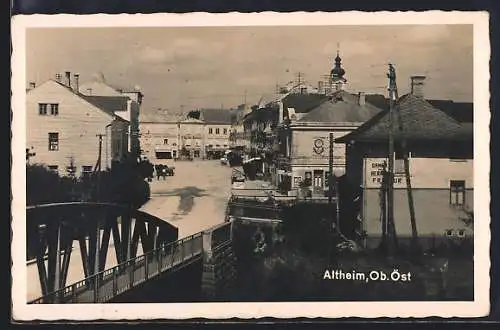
{"points": [[52, 229]]}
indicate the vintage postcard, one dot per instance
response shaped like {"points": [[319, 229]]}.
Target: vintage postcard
{"points": [[250, 165]]}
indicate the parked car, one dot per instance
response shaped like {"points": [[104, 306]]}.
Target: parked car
{"points": [[223, 161]]}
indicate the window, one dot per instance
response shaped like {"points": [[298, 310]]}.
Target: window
{"points": [[217, 131], [86, 170], [197, 154], [225, 130], [327, 176], [449, 233], [165, 141], [54, 168], [210, 131], [461, 233], [53, 141], [54, 109], [174, 153], [308, 179], [174, 144], [42, 109], [457, 192]]}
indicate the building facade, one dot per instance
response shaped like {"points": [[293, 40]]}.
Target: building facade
{"points": [[66, 131], [304, 144], [159, 136], [440, 151], [127, 103], [200, 134], [217, 129]]}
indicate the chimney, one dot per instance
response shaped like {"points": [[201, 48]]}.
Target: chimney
{"points": [[320, 87], [58, 77], [417, 85], [68, 78], [77, 78], [361, 98]]}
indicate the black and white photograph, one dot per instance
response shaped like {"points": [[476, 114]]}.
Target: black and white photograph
{"points": [[250, 165]]}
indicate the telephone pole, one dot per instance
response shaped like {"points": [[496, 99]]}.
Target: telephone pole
{"points": [[97, 168], [99, 157], [299, 81], [391, 230]]}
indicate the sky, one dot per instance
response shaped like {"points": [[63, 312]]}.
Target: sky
{"points": [[194, 67]]}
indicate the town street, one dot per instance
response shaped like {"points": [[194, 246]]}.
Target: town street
{"points": [[192, 200]]}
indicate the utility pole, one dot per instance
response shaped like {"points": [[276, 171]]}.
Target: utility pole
{"points": [[99, 157], [330, 169], [391, 230], [409, 191], [299, 81], [97, 168]]}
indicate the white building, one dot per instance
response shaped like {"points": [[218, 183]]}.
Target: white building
{"points": [[64, 129]]}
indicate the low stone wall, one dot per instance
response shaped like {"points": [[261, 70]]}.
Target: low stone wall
{"points": [[219, 263], [219, 274]]}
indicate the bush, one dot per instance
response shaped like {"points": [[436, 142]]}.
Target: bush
{"points": [[124, 184]]}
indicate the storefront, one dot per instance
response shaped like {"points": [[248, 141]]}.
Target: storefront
{"points": [[215, 151]]}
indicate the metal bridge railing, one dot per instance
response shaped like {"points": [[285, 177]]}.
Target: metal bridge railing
{"points": [[105, 285]]}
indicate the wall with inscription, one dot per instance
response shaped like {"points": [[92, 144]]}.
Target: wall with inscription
{"points": [[312, 147], [424, 172]]}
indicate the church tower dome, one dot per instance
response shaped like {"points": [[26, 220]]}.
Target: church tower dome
{"points": [[337, 80], [337, 72]]}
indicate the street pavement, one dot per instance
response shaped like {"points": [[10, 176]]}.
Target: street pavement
{"points": [[192, 200]]}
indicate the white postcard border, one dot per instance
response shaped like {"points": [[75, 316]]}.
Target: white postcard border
{"points": [[480, 306]]}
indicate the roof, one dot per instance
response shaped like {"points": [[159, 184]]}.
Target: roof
{"points": [[342, 107], [460, 111], [415, 119], [303, 102], [160, 116], [109, 104], [216, 116]]}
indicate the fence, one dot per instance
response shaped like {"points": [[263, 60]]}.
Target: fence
{"points": [[105, 285]]}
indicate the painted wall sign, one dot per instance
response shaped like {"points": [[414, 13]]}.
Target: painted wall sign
{"points": [[319, 146], [375, 171]]}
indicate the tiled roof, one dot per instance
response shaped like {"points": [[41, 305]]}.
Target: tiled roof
{"points": [[216, 116], [109, 104], [303, 102], [342, 107], [460, 111], [414, 119]]}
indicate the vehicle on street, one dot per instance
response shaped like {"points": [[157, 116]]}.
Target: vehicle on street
{"points": [[223, 160], [163, 171]]}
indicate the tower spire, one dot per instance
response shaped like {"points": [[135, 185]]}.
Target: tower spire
{"points": [[337, 79]]}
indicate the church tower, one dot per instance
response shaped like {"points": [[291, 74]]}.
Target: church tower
{"points": [[337, 80]]}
